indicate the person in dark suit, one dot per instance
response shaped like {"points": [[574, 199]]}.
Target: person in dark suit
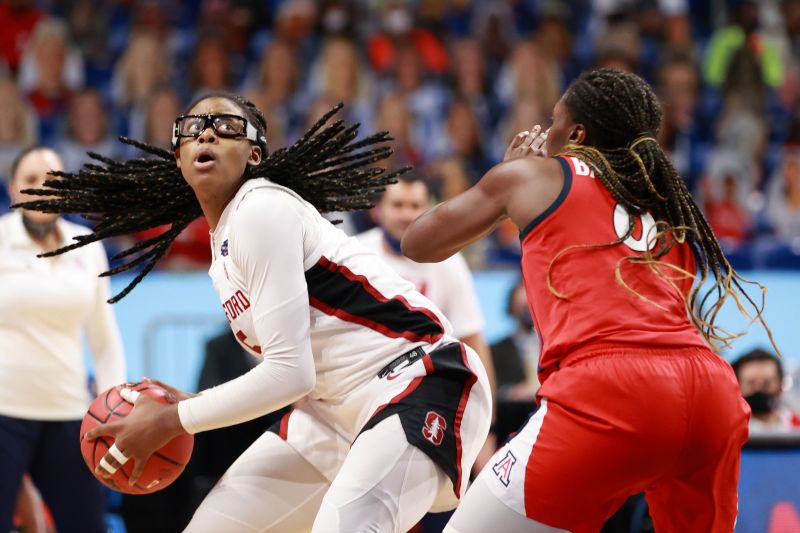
{"points": [[514, 359], [515, 356]]}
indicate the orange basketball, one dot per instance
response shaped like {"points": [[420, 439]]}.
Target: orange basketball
{"points": [[163, 467]]}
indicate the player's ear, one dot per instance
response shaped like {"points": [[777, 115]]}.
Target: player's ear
{"points": [[577, 134], [255, 155]]}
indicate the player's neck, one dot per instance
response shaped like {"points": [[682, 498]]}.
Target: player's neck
{"points": [[392, 244]]}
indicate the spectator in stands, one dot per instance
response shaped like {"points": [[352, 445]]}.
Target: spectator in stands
{"points": [[18, 20], [162, 104], [398, 30], [340, 76], [463, 140], [528, 75], [140, 70], [394, 116], [470, 82], [87, 130], [741, 60], [678, 86], [783, 198], [426, 100], [18, 127], [728, 218], [51, 70], [760, 375], [275, 91], [211, 67]]}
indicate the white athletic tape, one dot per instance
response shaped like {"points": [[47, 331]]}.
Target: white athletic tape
{"points": [[129, 395], [105, 465], [118, 455]]}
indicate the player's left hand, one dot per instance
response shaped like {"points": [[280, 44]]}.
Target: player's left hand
{"points": [[149, 426], [526, 143]]}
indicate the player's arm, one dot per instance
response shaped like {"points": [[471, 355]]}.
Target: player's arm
{"points": [[266, 242], [102, 333], [269, 251], [456, 223]]}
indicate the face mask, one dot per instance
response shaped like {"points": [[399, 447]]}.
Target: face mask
{"points": [[397, 21], [525, 320], [761, 402], [335, 20]]}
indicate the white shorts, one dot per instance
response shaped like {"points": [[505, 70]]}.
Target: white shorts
{"points": [[443, 401]]}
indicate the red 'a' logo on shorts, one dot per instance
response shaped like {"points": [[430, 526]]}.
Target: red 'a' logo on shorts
{"points": [[502, 468], [434, 428]]}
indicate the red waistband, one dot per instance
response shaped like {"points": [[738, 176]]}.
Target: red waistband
{"points": [[635, 350]]}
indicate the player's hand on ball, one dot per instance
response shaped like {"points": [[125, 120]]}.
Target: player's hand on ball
{"points": [[148, 427], [177, 394], [526, 143]]}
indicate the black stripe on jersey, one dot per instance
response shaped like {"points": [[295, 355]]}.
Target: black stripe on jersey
{"points": [[337, 291], [556, 203]]}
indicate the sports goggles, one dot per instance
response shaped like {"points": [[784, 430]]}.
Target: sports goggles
{"points": [[225, 125]]}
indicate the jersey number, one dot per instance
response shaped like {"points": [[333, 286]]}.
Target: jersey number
{"points": [[243, 339], [645, 227]]}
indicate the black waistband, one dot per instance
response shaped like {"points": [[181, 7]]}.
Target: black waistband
{"points": [[410, 356]]}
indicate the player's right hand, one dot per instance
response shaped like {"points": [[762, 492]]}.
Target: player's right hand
{"points": [[527, 143], [149, 426]]}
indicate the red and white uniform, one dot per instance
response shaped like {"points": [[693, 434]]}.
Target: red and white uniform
{"points": [[632, 399], [325, 314], [447, 284]]}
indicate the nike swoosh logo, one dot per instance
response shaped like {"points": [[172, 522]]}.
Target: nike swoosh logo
{"points": [[390, 377]]}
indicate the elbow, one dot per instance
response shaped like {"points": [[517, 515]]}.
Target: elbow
{"points": [[417, 251], [306, 381]]}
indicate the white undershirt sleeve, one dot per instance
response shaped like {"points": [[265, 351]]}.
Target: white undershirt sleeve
{"points": [[102, 333], [266, 244]]}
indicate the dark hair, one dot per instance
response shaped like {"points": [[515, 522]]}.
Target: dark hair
{"points": [[326, 167], [753, 356], [622, 115]]}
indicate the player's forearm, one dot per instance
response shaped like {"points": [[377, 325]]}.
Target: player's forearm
{"points": [[275, 383]]}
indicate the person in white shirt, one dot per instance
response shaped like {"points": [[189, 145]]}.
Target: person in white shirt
{"points": [[448, 284], [390, 409], [45, 307]]}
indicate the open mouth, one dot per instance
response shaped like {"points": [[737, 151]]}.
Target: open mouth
{"points": [[204, 160]]}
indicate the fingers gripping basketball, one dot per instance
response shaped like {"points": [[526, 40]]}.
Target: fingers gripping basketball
{"points": [[161, 469]]}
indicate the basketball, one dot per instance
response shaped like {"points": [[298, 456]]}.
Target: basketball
{"points": [[161, 469]]}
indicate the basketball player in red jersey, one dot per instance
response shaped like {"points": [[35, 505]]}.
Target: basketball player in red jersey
{"points": [[632, 398]]}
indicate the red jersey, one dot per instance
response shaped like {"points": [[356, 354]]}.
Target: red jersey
{"points": [[598, 310]]}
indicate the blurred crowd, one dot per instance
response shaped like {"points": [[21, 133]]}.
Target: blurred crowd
{"points": [[453, 80]]}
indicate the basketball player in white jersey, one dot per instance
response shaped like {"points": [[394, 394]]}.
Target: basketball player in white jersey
{"points": [[449, 284], [391, 410]]}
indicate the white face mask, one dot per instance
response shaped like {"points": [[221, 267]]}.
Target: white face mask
{"points": [[397, 21], [335, 20]]}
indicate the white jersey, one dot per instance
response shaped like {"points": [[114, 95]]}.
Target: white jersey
{"points": [[319, 307], [45, 307], [447, 284]]}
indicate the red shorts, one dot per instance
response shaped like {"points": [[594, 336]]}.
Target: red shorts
{"points": [[618, 422]]}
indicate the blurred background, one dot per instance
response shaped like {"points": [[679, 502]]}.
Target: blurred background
{"points": [[453, 81]]}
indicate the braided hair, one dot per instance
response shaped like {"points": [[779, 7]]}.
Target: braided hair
{"points": [[622, 115], [327, 167]]}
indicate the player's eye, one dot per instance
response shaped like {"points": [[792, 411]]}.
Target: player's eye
{"points": [[193, 126]]}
